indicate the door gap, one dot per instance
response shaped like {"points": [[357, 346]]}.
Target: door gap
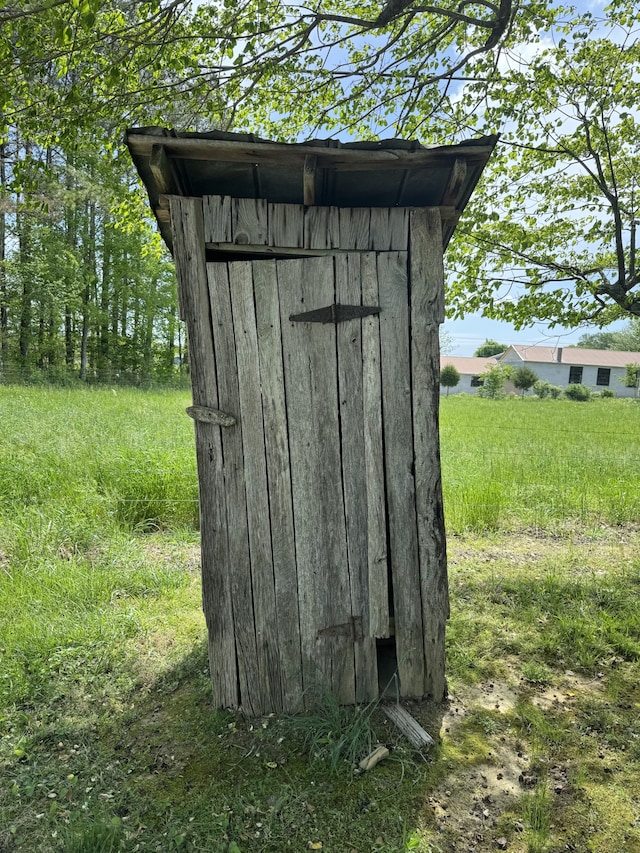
{"points": [[387, 660]]}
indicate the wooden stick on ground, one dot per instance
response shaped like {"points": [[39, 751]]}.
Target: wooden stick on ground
{"points": [[409, 727]]}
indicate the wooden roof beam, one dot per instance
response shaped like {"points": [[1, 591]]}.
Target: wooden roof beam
{"points": [[309, 180], [164, 171], [455, 184], [289, 154]]}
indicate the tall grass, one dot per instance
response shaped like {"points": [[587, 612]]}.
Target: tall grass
{"points": [[107, 738], [538, 463], [81, 472]]}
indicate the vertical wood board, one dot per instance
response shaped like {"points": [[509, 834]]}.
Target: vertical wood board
{"points": [[310, 369], [355, 223], [276, 434], [377, 557], [249, 221], [286, 225], [238, 565], [426, 262], [399, 228], [321, 228], [354, 485], [217, 219], [255, 483], [398, 439], [427, 287], [188, 237]]}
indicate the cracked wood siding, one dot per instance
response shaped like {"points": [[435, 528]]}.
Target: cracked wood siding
{"points": [[427, 312], [327, 479], [310, 373], [188, 231]]}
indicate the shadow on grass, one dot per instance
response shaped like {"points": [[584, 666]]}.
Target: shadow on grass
{"points": [[161, 769]]}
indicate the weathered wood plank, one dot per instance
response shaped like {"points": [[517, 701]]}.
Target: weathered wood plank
{"points": [[377, 559], [285, 570], [310, 369], [286, 226], [217, 219], [350, 396], [188, 236], [427, 287], [389, 229], [410, 728], [161, 170], [255, 483], [427, 266], [309, 180], [379, 230], [398, 440], [321, 228], [249, 221], [354, 228], [238, 563], [399, 228]]}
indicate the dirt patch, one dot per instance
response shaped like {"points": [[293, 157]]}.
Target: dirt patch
{"points": [[564, 694], [187, 556]]}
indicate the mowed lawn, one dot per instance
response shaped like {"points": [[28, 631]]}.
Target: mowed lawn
{"points": [[107, 738]]}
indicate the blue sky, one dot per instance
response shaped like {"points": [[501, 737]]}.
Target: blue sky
{"points": [[468, 334]]}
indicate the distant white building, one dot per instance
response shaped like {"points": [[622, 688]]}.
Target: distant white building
{"points": [[470, 370], [597, 369]]}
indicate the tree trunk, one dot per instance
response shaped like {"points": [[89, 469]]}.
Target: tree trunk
{"points": [[90, 275], [104, 349]]}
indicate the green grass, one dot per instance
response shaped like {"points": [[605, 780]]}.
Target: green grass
{"points": [[541, 464], [108, 741]]}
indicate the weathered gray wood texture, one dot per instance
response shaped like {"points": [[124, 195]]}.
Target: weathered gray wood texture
{"points": [[255, 223], [188, 231], [317, 449]]}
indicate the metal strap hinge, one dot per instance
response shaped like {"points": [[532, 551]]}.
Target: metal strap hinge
{"points": [[335, 313]]}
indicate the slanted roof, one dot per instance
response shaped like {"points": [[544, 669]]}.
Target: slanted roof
{"points": [[468, 365], [390, 173], [531, 353], [578, 356], [599, 357]]}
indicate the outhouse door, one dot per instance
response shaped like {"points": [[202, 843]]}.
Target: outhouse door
{"points": [[308, 494]]}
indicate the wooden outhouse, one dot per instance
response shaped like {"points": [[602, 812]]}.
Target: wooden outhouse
{"points": [[311, 282]]}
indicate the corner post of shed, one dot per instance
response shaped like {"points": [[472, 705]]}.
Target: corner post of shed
{"points": [[193, 293], [427, 314]]}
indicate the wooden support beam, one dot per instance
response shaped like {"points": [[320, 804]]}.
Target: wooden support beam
{"points": [[335, 158], [456, 180], [309, 180], [161, 170]]}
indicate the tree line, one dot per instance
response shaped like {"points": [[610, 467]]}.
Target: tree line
{"points": [[550, 233], [81, 291]]}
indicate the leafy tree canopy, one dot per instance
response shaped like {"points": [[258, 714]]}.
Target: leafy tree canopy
{"points": [[449, 376], [626, 340], [524, 378], [368, 67], [551, 234], [489, 348]]}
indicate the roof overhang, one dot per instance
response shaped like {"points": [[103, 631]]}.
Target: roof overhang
{"points": [[390, 173]]}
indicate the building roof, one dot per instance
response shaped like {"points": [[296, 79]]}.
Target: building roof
{"points": [[573, 356], [389, 173], [468, 364]]}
